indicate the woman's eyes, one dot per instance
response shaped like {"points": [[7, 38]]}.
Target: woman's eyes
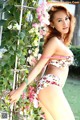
{"points": [[59, 20], [67, 18]]}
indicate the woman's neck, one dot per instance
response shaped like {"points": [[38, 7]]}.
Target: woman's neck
{"points": [[63, 37]]}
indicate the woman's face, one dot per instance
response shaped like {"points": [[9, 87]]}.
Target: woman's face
{"points": [[61, 22]]}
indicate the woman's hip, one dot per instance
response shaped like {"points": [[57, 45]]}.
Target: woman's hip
{"points": [[48, 80]]}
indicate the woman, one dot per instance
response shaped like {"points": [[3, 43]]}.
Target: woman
{"points": [[56, 57]]}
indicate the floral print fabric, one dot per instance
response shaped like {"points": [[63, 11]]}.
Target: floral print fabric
{"points": [[62, 62], [48, 80]]}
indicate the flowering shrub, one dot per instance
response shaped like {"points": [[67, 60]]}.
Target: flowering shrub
{"points": [[31, 107], [26, 107], [26, 52], [43, 18], [43, 15]]}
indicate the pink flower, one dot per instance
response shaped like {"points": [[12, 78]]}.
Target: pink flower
{"points": [[42, 32], [41, 19], [42, 13], [31, 93], [27, 107], [35, 25], [23, 96], [44, 5], [31, 88], [38, 10]]}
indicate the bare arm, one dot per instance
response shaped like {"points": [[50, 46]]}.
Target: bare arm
{"points": [[49, 50]]}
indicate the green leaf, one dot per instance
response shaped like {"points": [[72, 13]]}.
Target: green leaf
{"points": [[21, 35], [2, 22]]}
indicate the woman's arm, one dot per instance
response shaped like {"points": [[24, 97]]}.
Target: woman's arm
{"points": [[49, 50]]}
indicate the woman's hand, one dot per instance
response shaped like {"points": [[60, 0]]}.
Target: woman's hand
{"points": [[14, 95]]}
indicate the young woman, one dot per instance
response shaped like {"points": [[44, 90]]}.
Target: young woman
{"points": [[56, 57]]}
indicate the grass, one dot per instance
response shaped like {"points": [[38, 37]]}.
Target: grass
{"points": [[72, 93]]}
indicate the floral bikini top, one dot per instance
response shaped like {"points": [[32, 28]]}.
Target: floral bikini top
{"points": [[67, 61]]}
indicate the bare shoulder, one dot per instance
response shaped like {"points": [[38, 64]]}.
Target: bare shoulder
{"points": [[53, 42], [51, 47]]}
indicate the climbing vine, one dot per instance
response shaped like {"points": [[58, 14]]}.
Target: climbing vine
{"points": [[23, 42]]}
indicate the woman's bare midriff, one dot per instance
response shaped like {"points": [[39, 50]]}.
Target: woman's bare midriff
{"points": [[62, 73]]}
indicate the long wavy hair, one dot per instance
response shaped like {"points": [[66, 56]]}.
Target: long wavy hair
{"points": [[52, 32]]}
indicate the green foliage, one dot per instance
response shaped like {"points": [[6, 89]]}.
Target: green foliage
{"points": [[11, 37], [17, 43], [75, 68], [76, 52]]}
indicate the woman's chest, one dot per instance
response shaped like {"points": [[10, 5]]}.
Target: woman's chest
{"points": [[64, 50]]}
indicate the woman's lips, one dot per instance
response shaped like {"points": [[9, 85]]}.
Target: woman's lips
{"points": [[65, 28]]}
